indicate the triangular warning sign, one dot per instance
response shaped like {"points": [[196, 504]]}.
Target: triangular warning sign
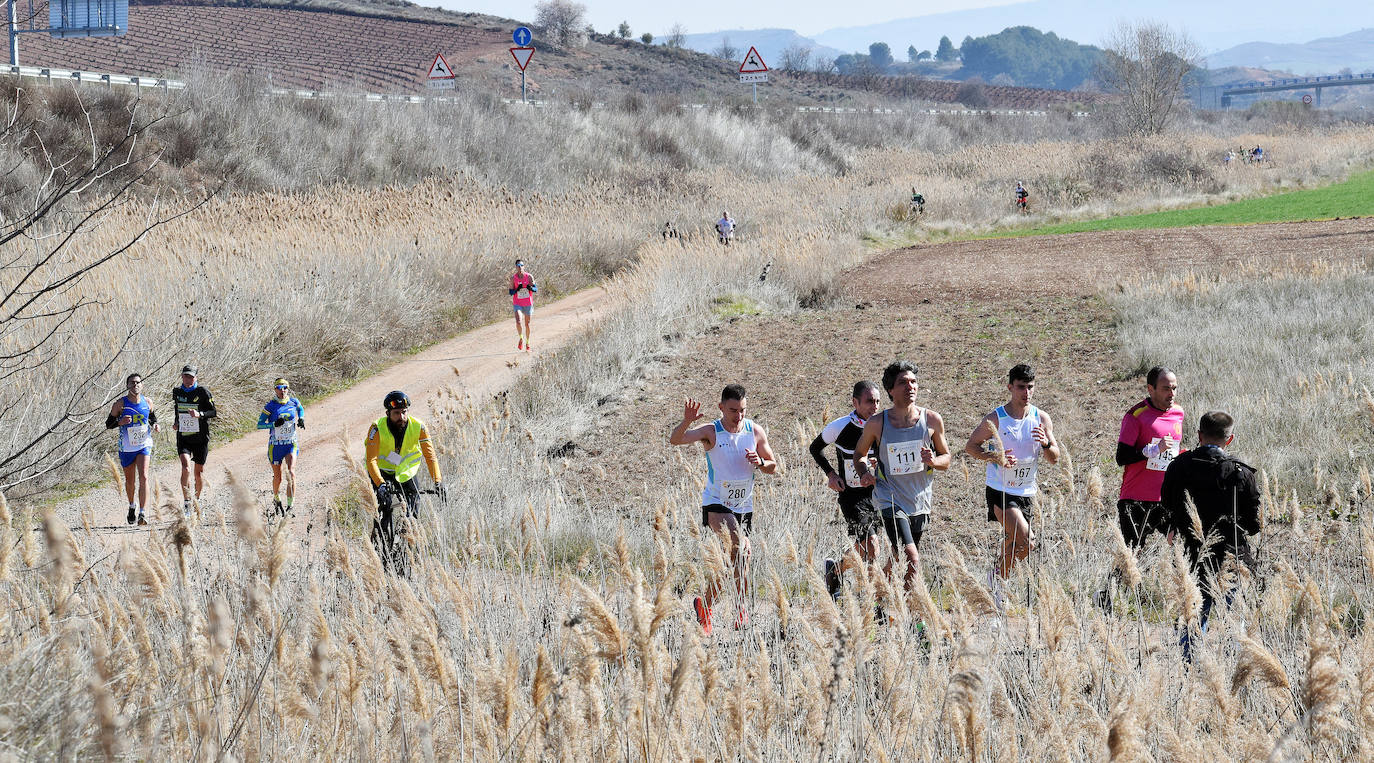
{"points": [[522, 56], [752, 63], [440, 68]]}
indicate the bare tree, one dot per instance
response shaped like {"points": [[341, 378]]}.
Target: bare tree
{"points": [[725, 50], [1144, 64], [562, 21], [677, 36], [795, 57], [45, 423]]}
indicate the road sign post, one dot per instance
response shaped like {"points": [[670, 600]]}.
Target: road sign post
{"points": [[522, 57], [753, 70]]}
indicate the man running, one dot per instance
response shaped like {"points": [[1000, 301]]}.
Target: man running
{"points": [[282, 415], [856, 501], [396, 444], [137, 421], [1151, 433], [1224, 492], [725, 228], [194, 409], [522, 291], [910, 445], [735, 447], [1012, 440]]}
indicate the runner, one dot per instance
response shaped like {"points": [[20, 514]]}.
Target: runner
{"points": [[282, 415], [735, 447], [1012, 440], [1149, 441], [725, 228], [522, 291], [856, 501], [137, 421], [396, 444], [910, 446], [194, 409], [1226, 497]]}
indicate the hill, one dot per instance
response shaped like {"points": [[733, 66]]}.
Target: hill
{"points": [[1327, 55], [388, 47], [1213, 25]]}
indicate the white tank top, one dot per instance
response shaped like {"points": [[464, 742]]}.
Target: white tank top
{"points": [[729, 475], [1016, 438]]}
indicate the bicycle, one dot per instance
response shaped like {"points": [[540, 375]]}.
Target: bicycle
{"points": [[391, 539]]}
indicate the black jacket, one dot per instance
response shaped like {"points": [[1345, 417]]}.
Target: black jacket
{"points": [[197, 398], [1226, 496]]}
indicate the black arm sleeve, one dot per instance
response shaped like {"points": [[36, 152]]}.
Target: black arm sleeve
{"points": [[1248, 503], [207, 406], [1126, 455], [152, 416], [111, 421], [818, 453]]}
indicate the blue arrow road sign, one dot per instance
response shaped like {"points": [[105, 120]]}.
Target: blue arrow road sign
{"points": [[522, 36]]}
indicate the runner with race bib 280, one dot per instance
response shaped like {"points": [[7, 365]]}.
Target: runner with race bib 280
{"points": [[137, 421], [283, 417], [735, 447]]}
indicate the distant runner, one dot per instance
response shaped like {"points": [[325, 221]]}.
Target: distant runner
{"points": [[856, 501], [283, 416], [522, 291], [1022, 198], [194, 409], [735, 448], [1012, 440], [910, 446], [137, 421], [725, 228], [1151, 434]]}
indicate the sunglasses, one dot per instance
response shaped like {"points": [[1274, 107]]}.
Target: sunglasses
{"points": [[282, 386]]}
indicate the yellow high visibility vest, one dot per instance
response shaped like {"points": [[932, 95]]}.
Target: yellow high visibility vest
{"points": [[401, 462]]}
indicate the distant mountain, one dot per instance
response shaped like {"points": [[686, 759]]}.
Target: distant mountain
{"points": [[1213, 25], [769, 42], [1325, 56]]}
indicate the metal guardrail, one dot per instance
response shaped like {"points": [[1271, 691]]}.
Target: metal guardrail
{"points": [[95, 78], [130, 80]]}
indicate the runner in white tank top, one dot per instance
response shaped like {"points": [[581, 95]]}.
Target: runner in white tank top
{"points": [[735, 448], [1012, 440]]}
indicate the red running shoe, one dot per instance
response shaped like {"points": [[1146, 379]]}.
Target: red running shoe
{"points": [[703, 615]]}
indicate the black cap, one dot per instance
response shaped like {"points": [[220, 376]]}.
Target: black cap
{"points": [[189, 369]]}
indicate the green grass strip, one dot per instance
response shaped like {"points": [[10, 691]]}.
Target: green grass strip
{"points": [[1352, 198]]}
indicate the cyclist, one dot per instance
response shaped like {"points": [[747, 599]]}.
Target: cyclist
{"points": [[522, 291], [396, 444], [282, 416], [725, 228], [194, 409], [735, 447], [137, 421], [856, 502]]}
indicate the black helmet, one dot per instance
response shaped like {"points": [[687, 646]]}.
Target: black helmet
{"points": [[396, 400]]}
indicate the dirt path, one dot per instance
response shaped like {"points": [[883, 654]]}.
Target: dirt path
{"points": [[485, 361]]}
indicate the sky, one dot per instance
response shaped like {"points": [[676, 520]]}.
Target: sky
{"points": [[807, 17]]}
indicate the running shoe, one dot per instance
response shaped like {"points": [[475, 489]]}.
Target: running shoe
{"points": [[742, 619], [520, 345], [703, 615], [142, 521], [277, 507], [832, 578], [186, 509], [999, 597], [133, 514]]}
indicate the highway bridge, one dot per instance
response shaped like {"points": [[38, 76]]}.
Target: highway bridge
{"points": [[1221, 96]]}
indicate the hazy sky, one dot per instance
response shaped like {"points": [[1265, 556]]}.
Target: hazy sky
{"points": [[807, 17]]}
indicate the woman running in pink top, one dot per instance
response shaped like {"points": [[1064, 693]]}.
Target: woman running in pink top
{"points": [[522, 291]]}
